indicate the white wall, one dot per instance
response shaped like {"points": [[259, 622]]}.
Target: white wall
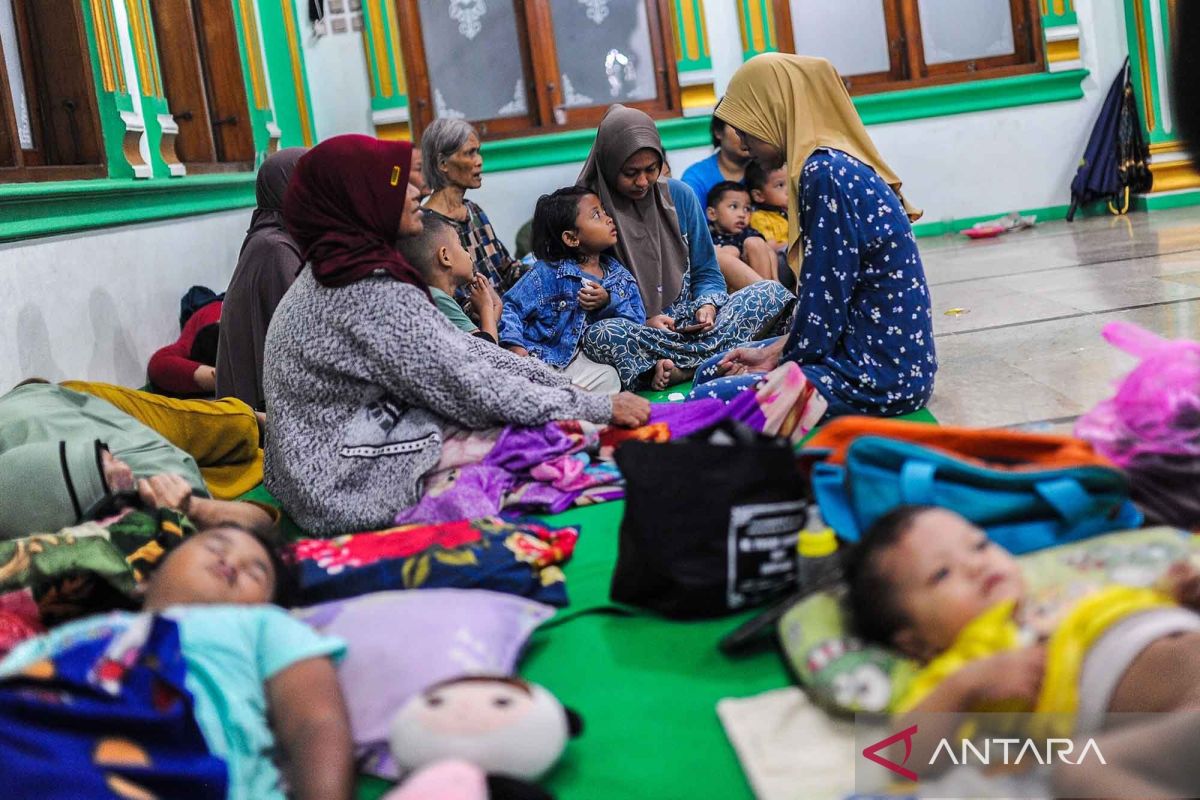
{"points": [[338, 82], [955, 167], [96, 305]]}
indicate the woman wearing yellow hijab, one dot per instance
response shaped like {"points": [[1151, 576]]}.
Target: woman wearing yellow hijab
{"points": [[863, 329]]}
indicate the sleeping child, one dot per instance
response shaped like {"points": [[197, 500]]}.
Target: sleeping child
{"points": [[573, 285], [211, 692], [438, 254], [929, 583]]}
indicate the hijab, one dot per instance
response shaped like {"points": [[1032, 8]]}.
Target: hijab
{"points": [[269, 188], [343, 207], [799, 104], [649, 242]]}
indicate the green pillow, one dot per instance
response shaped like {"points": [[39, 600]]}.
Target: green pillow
{"points": [[848, 677]]}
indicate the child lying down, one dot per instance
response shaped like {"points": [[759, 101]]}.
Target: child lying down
{"points": [[929, 583], [266, 699]]}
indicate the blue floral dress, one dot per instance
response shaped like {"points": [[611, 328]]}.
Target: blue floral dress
{"points": [[863, 327]]}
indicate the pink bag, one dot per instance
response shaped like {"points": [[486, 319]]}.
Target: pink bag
{"points": [[1156, 409]]}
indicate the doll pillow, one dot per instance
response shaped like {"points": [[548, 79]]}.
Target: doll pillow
{"points": [[403, 642]]}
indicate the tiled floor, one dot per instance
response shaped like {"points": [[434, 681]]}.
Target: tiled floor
{"points": [[1022, 346]]}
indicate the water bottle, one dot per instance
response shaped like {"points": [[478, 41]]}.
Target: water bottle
{"points": [[818, 562]]}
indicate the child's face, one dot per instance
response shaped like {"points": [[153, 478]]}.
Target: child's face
{"points": [[455, 258], [774, 191], [594, 231], [216, 566], [945, 572], [732, 212]]}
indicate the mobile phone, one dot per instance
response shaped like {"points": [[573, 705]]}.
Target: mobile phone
{"points": [[689, 328]]}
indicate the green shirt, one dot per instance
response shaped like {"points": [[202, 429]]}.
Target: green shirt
{"points": [[448, 306]]}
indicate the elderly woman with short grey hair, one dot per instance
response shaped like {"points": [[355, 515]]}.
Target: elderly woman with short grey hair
{"points": [[452, 165]]}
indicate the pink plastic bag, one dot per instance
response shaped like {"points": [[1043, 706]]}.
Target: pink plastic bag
{"points": [[1156, 409]]}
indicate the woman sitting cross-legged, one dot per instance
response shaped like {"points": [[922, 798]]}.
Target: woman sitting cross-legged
{"points": [[664, 241], [863, 330], [365, 377]]}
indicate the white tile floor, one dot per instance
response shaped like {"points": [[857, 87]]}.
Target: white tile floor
{"points": [[1026, 349]]}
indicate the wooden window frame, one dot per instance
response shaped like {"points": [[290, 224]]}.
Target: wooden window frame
{"points": [[906, 50], [23, 166], [199, 88], [535, 33]]}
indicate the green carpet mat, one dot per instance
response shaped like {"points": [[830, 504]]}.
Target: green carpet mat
{"points": [[646, 688]]}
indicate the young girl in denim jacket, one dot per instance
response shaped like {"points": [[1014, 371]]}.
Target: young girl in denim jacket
{"points": [[572, 286]]}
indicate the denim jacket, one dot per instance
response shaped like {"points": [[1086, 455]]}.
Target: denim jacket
{"points": [[542, 311]]}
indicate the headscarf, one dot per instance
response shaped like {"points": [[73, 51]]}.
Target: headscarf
{"points": [[799, 104], [269, 189], [343, 207], [649, 241]]}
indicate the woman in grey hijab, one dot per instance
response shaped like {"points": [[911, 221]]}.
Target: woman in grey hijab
{"points": [[268, 263]]}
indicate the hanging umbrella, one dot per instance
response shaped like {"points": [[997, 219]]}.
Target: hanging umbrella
{"points": [[1114, 163]]}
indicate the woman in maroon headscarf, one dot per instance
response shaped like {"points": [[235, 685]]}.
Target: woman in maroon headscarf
{"points": [[363, 375]]}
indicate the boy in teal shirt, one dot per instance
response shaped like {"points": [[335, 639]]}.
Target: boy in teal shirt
{"points": [[445, 264]]}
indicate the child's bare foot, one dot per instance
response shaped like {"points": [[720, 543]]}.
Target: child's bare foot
{"points": [[663, 371]]}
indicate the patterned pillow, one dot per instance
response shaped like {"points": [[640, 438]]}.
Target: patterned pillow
{"points": [[401, 643], [522, 558], [846, 676]]}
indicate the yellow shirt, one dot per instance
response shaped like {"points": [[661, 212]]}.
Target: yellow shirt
{"points": [[771, 224], [995, 631]]}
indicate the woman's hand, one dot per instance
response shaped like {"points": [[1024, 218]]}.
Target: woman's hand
{"points": [[661, 322], [166, 491], [593, 296], [629, 410], [706, 315], [517, 350], [749, 359]]}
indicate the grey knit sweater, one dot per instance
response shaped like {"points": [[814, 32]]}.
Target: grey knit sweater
{"points": [[361, 381]]}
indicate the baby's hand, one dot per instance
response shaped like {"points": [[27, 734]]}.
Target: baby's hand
{"points": [[1182, 582], [593, 296], [1013, 675]]}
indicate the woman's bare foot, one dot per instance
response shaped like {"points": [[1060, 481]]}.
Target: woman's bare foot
{"points": [[661, 378], [680, 375]]}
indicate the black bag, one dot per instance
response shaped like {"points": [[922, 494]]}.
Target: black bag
{"points": [[710, 524]]}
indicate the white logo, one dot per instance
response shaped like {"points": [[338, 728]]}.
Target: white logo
{"points": [[1060, 750]]}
